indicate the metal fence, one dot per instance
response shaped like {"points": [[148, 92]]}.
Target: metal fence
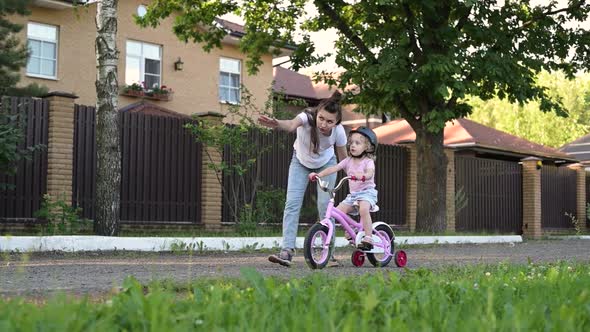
{"points": [[160, 168], [558, 196], [493, 192], [30, 182]]}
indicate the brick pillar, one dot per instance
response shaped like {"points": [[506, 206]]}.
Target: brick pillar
{"points": [[211, 190], [531, 198], [450, 190], [60, 147], [412, 188], [580, 194]]}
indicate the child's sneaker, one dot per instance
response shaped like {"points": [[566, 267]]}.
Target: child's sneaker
{"points": [[284, 257], [366, 243]]}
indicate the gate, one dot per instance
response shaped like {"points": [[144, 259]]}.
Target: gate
{"points": [[493, 192]]}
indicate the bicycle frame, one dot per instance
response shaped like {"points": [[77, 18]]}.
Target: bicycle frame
{"points": [[350, 225]]}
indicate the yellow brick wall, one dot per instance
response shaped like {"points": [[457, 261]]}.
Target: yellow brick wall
{"points": [[450, 190], [580, 194], [531, 198], [60, 149], [195, 87], [412, 188], [211, 189]]}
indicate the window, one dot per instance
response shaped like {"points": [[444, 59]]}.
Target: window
{"points": [[42, 43], [143, 64], [229, 80]]}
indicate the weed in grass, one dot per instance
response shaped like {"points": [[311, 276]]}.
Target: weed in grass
{"points": [[575, 222]]}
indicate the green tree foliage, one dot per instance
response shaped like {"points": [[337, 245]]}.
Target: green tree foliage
{"points": [[414, 58], [530, 122]]}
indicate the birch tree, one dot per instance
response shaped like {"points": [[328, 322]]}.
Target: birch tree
{"points": [[108, 171]]}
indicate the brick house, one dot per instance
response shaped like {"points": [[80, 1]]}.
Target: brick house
{"points": [[61, 38]]}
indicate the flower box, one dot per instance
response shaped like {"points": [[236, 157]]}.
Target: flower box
{"points": [[159, 96], [137, 91]]}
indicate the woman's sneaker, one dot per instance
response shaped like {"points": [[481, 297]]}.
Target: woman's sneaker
{"points": [[284, 257]]}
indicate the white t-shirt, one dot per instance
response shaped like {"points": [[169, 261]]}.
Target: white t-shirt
{"points": [[303, 145]]}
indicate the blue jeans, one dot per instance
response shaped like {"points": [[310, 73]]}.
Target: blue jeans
{"points": [[298, 180]]}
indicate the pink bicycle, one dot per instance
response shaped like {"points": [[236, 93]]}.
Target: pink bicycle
{"points": [[317, 248]]}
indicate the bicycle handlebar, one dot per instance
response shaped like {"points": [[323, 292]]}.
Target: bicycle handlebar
{"points": [[324, 184]]}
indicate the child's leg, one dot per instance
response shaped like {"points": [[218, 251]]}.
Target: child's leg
{"points": [[346, 209], [364, 211]]}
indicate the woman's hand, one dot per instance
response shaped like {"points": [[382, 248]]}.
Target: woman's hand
{"points": [[268, 122]]}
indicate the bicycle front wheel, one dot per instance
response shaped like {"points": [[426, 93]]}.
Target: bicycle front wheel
{"points": [[316, 248]]}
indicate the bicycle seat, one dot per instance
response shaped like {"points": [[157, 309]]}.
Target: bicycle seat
{"points": [[355, 212]]}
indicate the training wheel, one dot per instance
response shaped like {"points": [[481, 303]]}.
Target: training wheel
{"points": [[401, 259], [358, 258]]}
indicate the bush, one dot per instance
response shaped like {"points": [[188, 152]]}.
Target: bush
{"points": [[61, 217]]}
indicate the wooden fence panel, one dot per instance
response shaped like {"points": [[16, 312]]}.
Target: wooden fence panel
{"points": [[30, 181], [160, 168], [84, 164], [274, 169], [558, 196], [493, 189]]}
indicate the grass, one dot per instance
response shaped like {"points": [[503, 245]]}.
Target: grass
{"points": [[474, 298]]}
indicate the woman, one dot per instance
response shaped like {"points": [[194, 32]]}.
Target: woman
{"points": [[318, 131]]}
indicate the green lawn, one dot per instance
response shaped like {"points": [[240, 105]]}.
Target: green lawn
{"points": [[496, 297]]}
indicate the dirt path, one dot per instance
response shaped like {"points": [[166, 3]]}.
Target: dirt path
{"points": [[94, 273]]}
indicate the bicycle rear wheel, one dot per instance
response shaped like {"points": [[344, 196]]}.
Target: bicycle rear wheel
{"points": [[381, 260], [315, 253]]}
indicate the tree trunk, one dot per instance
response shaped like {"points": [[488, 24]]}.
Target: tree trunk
{"points": [[108, 172], [432, 179]]}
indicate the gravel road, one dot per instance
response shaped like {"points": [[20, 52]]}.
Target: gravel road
{"points": [[41, 274]]}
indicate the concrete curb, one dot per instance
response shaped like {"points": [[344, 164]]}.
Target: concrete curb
{"points": [[570, 237], [106, 243]]}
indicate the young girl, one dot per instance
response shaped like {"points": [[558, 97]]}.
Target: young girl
{"points": [[318, 130], [360, 166]]}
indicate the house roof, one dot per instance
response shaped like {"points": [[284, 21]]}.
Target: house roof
{"points": [[579, 149], [148, 108], [464, 133], [293, 84], [234, 28], [296, 85]]}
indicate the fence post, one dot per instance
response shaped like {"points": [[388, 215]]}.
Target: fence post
{"points": [[211, 189], [580, 194], [531, 197], [412, 188], [450, 189], [60, 146]]}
